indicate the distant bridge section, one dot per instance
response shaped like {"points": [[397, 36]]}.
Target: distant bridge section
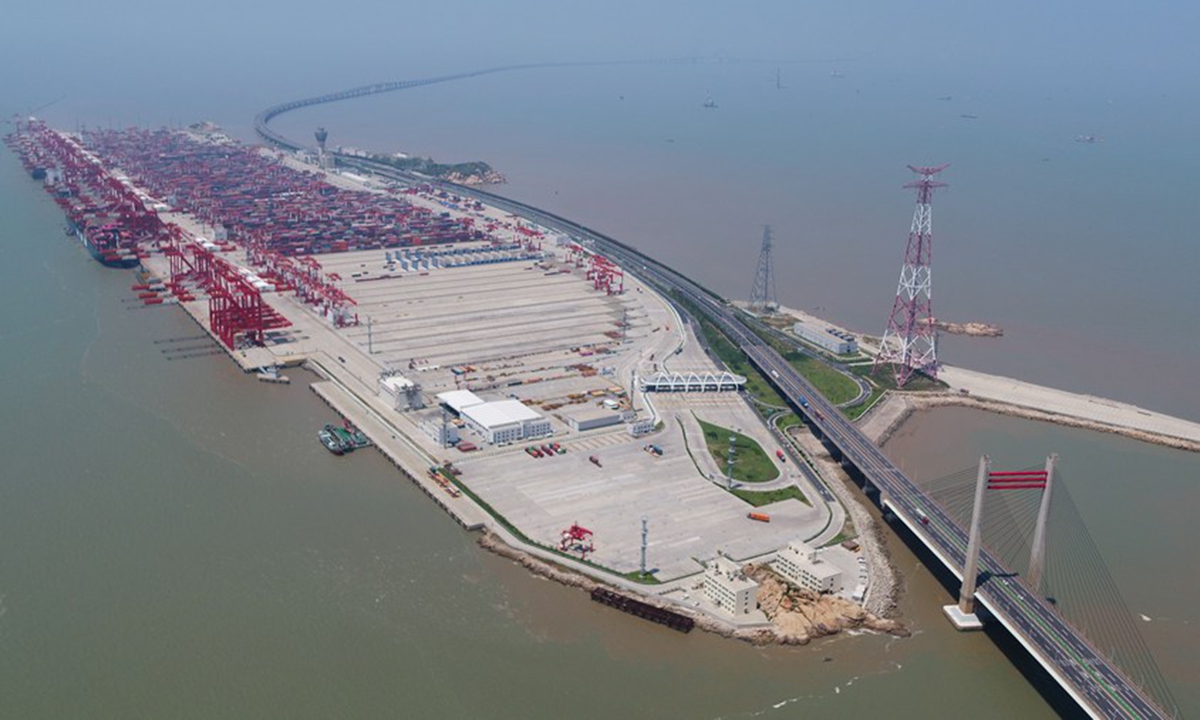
{"points": [[263, 119]]}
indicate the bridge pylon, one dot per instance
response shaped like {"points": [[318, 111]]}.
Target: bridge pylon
{"points": [[963, 614], [1037, 558]]}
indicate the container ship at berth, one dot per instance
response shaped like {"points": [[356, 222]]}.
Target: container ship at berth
{"points": [[108, 217], [107, 243], [120, 189]]}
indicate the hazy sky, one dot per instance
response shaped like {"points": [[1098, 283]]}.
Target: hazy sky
{"points": [[135, 55]]}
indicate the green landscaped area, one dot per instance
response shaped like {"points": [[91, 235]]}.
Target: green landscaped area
{"points": [[646, 578], [750, 464], [854, 413], [758, 499], [885, 378], [787, 421], [836, 387], [434, 169]]}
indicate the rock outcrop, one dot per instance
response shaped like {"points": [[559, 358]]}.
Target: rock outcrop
{"points": [[801, 615]]}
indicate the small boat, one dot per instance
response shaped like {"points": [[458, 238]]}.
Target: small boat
{"points": [[271, 374], [710, 103], [330, 441]]}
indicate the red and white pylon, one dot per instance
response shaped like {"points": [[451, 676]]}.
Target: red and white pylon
{"points": [[910, 340]]}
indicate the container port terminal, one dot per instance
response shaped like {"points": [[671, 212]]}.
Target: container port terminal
{"points": [[401, 291]]}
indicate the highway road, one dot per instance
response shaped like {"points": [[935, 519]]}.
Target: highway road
{"points": [[1100, 688]]}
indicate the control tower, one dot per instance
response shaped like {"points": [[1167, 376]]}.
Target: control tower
{"points": [[324, 159]]}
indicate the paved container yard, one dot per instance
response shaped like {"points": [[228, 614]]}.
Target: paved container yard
{"points": [[476, 314], [690, 518]]}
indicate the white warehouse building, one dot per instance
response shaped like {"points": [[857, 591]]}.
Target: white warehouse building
{"points": [[498, 421], [827, 338], [727, 587], [802, 566], [505, 421]]}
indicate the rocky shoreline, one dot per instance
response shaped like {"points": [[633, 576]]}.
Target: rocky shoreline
{"points": [[802, 616], [489, 177], [974, 329], [885, 581]]}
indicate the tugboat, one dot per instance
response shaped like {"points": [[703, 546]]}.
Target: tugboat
{"points": [[330, 441]]}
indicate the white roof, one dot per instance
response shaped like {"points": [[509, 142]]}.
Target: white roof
{"points": [[729, 573], [458, 400], [499, 413], [821, 570], [594, 413], [397, 382]]}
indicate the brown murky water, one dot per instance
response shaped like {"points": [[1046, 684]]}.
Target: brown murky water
{"points": [[175, 543]]}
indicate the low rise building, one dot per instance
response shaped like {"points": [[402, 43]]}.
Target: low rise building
{"points": [[505, 421], [727, 587], [827, 338], [459, 400], [499, 421], [400, 393], [592, 419], [638, 428], [801, 565], [442, 433]]}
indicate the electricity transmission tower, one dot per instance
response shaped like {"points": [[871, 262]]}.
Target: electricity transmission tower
{"points": [[910, 340], [762, 297]]}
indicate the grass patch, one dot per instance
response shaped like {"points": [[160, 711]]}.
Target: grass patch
{"points": [[838, 539], [788, 421], [758, 499], [646, 578], [836, 387], [750, 463], [857, 411], [885, 378], [832, 384]]}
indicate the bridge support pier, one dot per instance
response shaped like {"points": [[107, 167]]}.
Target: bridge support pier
{"points": [[963, 614], [963, 622]]}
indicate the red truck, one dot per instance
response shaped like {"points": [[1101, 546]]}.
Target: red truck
{"points": [[779, 454]]}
